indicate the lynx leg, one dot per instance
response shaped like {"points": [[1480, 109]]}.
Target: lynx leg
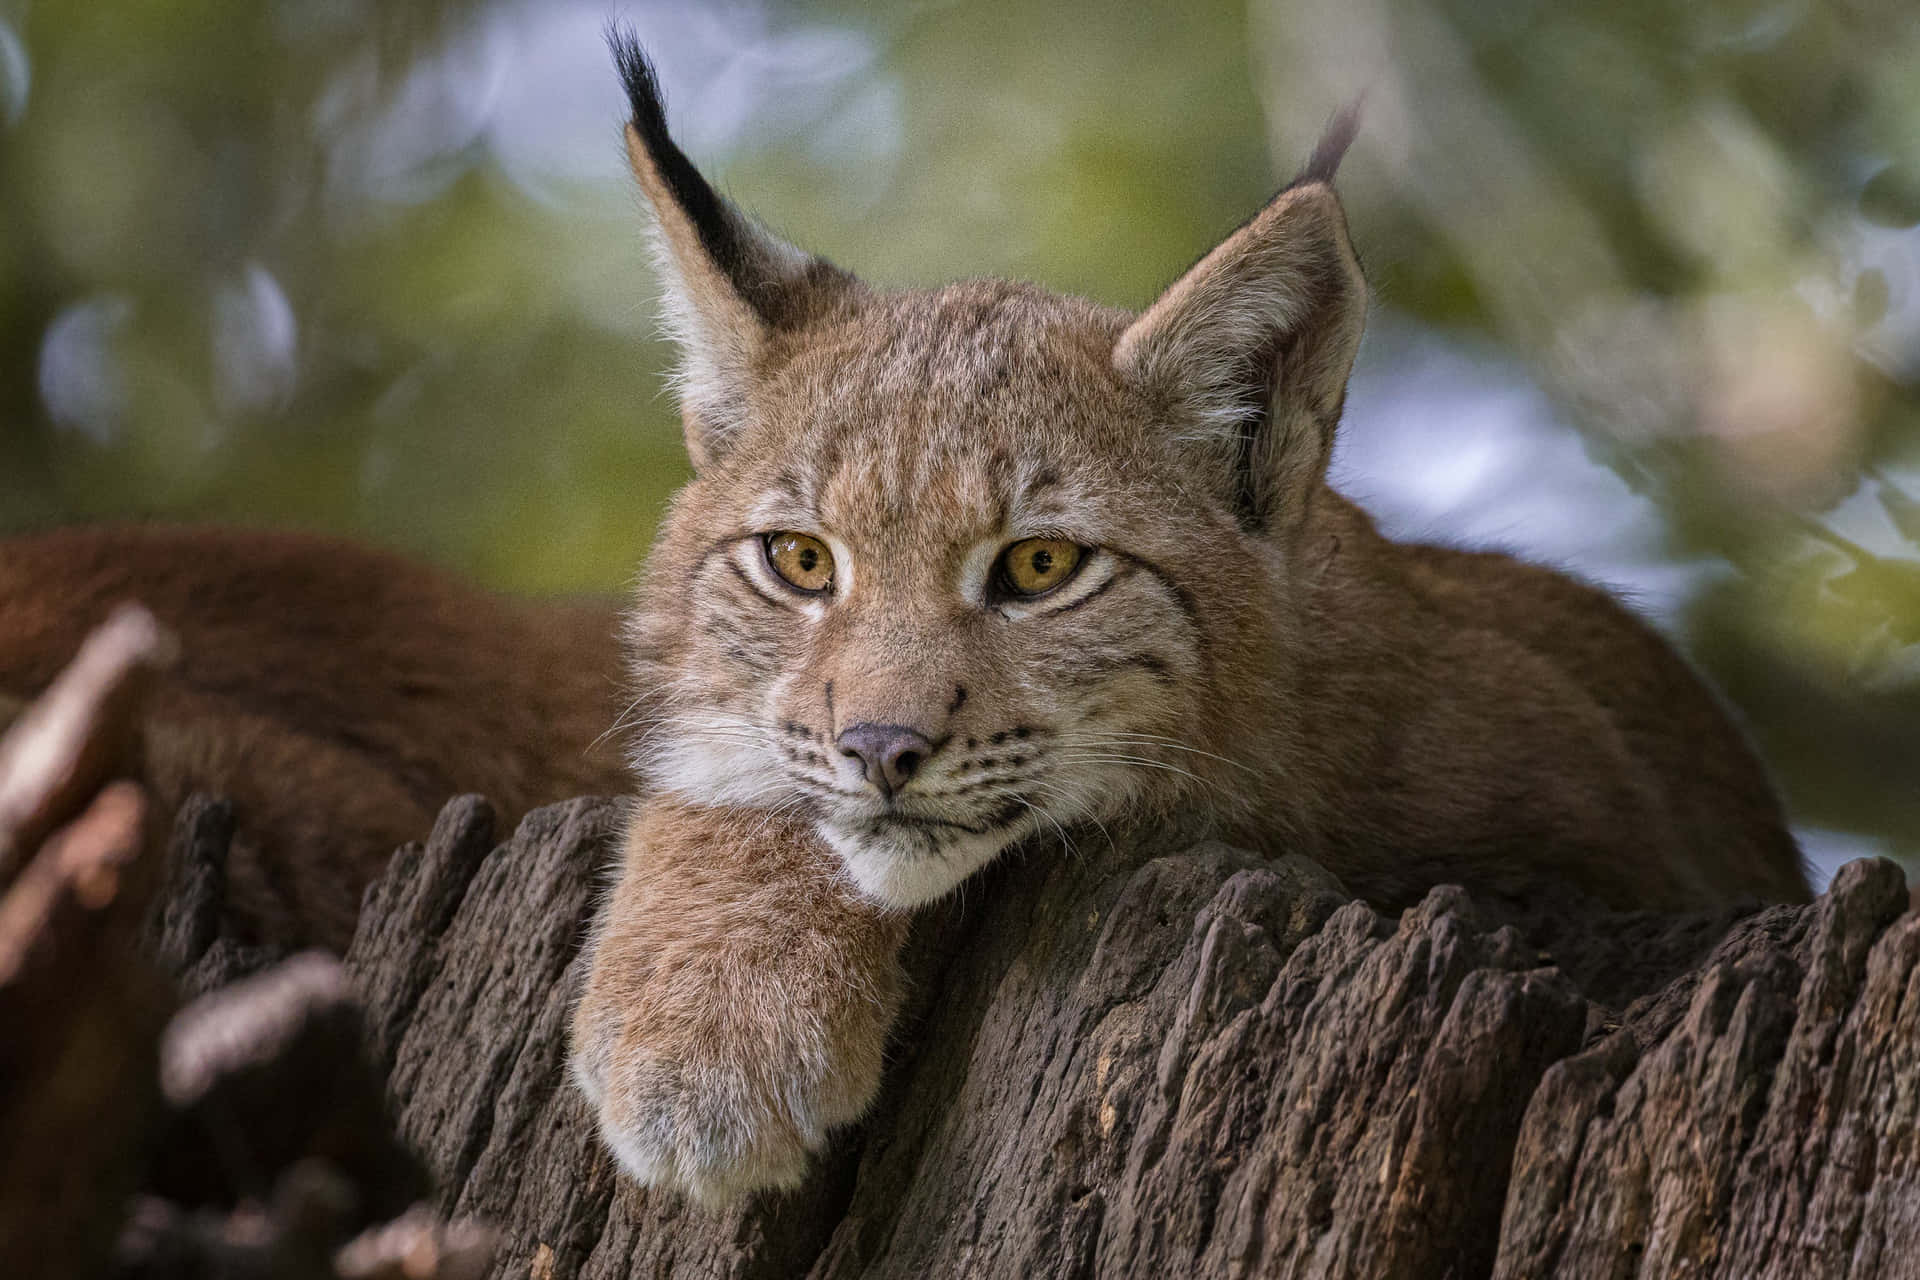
{"points": [[737, 1002]]}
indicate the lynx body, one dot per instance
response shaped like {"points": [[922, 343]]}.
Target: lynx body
{"points": [[959, 567], [965, 565], [336, 694]]}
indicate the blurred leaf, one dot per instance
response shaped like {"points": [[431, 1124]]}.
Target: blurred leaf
{"points": [[1891, 198], [1902, 509], [1887, 589], [1870, 297]]}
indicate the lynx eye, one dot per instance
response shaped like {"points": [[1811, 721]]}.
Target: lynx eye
{"points": [[803, 561], [1038, 565]]}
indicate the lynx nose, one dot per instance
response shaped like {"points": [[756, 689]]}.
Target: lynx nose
{"points": [[891, 753]]}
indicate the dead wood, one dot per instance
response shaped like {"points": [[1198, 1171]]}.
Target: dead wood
{"points": [[276, 1156], [1772, 1129], [83, 730], [1202, 1064], [1116, 1063], [251, 1138]]}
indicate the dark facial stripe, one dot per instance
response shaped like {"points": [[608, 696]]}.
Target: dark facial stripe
{"points": [[707, 553], [1094, 670], [1096, 593], [1182, 600], [796, 488], [753, 586]]}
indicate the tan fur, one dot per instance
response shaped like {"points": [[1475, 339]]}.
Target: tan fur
{"points": [[339, 695], [1398, 711], [739, 1001], [1239, 643]]}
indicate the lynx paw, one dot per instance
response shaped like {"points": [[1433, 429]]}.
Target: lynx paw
{"points": [[707, 1112], [737, 1001], [700, 1130]]}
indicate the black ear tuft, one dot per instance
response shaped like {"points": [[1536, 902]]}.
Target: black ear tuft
{"points": [[713, 222], [1333, 144], [637, 76]]}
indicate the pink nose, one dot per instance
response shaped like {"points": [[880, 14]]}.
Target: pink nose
{"points": [[890, 753]]}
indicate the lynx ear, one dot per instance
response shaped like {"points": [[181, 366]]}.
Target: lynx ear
{"points": [[731, 286], [1250, 350]]}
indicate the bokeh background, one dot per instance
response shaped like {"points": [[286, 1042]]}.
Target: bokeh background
{"points": [[1647, 276]]}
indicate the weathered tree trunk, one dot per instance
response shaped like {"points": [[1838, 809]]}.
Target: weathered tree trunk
{"points": [[1112, 1064], [1205, 1064], [1771, 1127]]}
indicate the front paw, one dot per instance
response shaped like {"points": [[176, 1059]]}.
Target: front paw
{"points": [[701, 1130], [737, 1002], [703, 1106]]}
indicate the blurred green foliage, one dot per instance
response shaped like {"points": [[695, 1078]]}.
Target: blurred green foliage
{"points": [[373, 267]]}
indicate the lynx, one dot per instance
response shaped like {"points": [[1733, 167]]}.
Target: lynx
{"points": [[966, 565], [959, 568], [337, 695]]}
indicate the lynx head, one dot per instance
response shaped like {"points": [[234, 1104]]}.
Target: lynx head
{"points": [[963, 564]]}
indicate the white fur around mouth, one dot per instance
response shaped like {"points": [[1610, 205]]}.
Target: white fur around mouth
{"points": [[911, 871]]}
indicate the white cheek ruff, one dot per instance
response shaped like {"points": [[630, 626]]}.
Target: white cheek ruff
{"points": [[714, 773]]}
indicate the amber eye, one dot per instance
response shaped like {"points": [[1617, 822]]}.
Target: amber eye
{"points": [[1038, 565], [803, 561]]}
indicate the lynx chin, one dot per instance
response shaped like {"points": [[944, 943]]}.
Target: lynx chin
{"points": [[967, 565]]}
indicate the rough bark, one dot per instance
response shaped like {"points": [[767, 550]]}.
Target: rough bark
{"points": [[1772, 1130], [1204, 1064], [1113, 1064]]}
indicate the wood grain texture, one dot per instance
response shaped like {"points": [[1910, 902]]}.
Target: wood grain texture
{"points": [[1208, 1064], [1772, 1131]]}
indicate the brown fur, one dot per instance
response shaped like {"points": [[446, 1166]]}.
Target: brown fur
{"points": [[741, 1002], [1240, 642], [337, 694]]}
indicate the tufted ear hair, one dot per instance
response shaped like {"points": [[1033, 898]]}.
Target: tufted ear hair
{"points": [[1250, 350], [731, 286]]}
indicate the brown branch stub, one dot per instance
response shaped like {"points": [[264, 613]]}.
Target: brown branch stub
{"points": [[78, 868], [418, 1246], [79, 733], [79, 1006], [270, 1071]]}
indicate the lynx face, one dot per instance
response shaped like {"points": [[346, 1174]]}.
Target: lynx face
{"points": [[932, 595], [966, 564]]}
